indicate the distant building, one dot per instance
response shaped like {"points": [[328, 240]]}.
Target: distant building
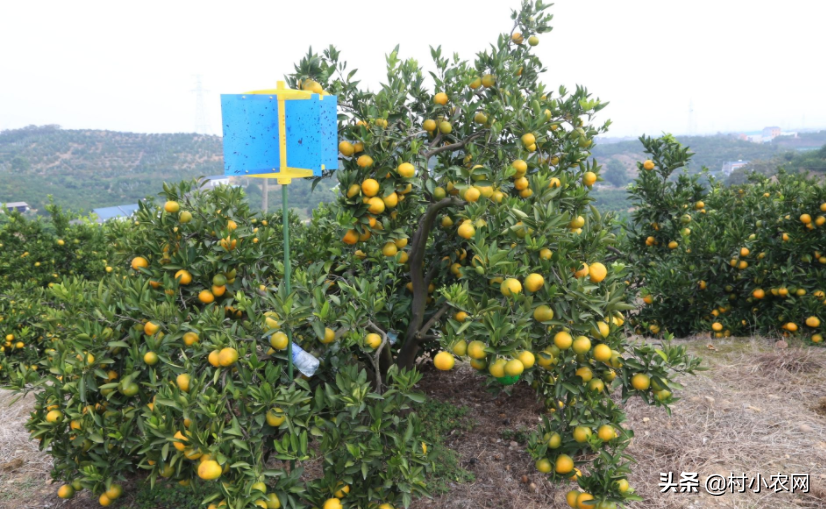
{"points": [[117, 212], [18, 206], [729, 167], [770, 133], [215, 181]]}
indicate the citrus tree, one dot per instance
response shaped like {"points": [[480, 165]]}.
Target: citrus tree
{"points": [[739, 260], [36, 252], [467, 232], [175, 365]]}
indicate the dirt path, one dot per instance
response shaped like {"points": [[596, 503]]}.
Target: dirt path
{"points": [[758, 409]]}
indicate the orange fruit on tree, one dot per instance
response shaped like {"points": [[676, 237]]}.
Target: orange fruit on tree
{"points": [[805, 218], [139, 262], [563, 340], [351, 237], [279, 341], [543, 313], [641, 381], [373, 340], [648, 164], [440, 98], [429, 125], [514, 367], [476, 350], [332, 503], [104, 500], [406, 170], [150, 358], [444, 361], [66, 491], [813, 321], [534, 282], [597, 272], [589, 178], [206, 297], [275, 417], [543, 465], [209, 470], [510, 287], [716, 326], [227, 356], [364, 161], [582, 501], [346, 148], [466, 230], [602, 353], [564, 464], [370, 187], [183, 277], [376, 205], [583, 271], [582, 345]]}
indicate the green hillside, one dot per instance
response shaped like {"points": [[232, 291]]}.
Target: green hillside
{"points": [[86, 169]]}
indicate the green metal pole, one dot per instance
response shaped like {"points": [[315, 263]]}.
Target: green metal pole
{"points": [[285, 214]]}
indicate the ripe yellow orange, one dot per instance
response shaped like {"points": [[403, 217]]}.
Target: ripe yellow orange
{"points": [[183, 276], [563, 340], [582, 345], [488, 80], [279, 341], [571, 497], [673, 244], [597, 272], [520, 184], [332, 503], [510, 287], [182, 381], [497, 369], [528, 139], [66, 491], [564, 464], [472, 194], [716, 326], [581, 434], [555, 182], [514, 367], [444, 361], [390, 201], [406, 170], [440, 98], [582, 501], [346, 148], [476, 350], [364, 161], [445, 127], [759, 293], [648, 165], [534, 282], [622, 485], [227, 356], [589, 178], [583, 271], [104, 500], [527, 359], [206, 297], [209, 470], [813, 321], [606, 433], [370, 187], [429, 125], [376, 205], [274, 503], [275, 417], [139, 262], [351, 237], [372, 340], [805, 218], [389, 249], [602, 353], [329, 336], [641, 381]]}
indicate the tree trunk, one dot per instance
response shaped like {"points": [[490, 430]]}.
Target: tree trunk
{"points": [[410, 346]]}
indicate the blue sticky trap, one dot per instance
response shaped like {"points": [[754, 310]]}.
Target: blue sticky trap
{"points": [[250, 124], [251, 134]]}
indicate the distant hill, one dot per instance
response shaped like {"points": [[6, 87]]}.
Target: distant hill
{"points": [[709, 151], [85, 169]]}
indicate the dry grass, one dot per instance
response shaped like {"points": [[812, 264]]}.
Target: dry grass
{"points": [[757, 409]]}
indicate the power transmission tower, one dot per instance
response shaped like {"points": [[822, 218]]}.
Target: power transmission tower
{"points": [[201, 120]]}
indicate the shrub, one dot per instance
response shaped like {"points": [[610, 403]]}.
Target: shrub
{"points": [[739, 260]]}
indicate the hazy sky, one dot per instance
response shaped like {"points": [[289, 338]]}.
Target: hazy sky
{"points": [[130, 66]]}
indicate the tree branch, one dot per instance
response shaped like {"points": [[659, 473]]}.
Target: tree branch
{"points": [[433, 320], [453, 146]]}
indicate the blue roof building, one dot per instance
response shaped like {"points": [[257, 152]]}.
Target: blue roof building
{"points": [[119, 211]]}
